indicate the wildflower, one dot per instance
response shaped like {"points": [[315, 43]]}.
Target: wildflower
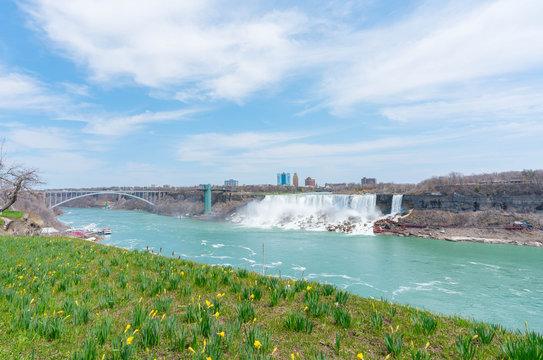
{"points": [[135, 331], [221, 334], [427, 344], [475, 336], [209, 304], [397, 327], [274, 350], [204, 349], [191, 349], [308, 288], [292, 356], [360, 356], [216, 315], [129, 340], [60, 312], [141, 298], [252, 296], [208, 358], [387, 357], [163, 316], [31, 301], [305, 308], [257, 344], [254, 320], [126, 328]]}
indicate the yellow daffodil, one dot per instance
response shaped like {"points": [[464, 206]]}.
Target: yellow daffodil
{"points": [[129, 340], [135, 331], [308, 288], [274, 350], [360, 356], [191, 349], [216, 315], [387, 357], [254, 320], [292, 356], [208, 358], [305, 308], [475, 336], [427, 344], [126, 328], [257, 344], [221, 334]]}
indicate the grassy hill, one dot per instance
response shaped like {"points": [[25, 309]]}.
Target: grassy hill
{"points": [[64, 298]]}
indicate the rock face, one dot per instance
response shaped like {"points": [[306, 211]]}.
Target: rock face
{"points": [[462, 203]]}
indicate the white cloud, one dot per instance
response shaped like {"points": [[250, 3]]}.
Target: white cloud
{"points": [[42, 139], [122, 125], [220, 49], [418, 58], [19, 91], [466, 106]]}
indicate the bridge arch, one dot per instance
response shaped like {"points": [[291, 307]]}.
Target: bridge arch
{"points": [[101, 193]]}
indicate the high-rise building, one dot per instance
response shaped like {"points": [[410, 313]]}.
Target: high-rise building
{"points": [[283, 179], [295, 180], [231, 182], [368, 181], [310, 182]]}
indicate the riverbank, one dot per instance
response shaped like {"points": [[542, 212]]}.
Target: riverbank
{"points": [[486, 227], [145, 306]]}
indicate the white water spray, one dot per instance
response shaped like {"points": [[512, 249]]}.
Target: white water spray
{"points": [[396, 204], [311, 212]]}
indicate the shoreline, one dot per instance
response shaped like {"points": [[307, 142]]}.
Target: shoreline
{"points": [[532, 238]]}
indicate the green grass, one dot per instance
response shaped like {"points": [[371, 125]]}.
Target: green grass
{"points": [[12, 214], [64, 298]]}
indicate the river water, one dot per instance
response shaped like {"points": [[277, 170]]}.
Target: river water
{"points": [[494, 283]]}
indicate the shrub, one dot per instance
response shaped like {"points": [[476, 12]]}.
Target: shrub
{"points": [[138, 315], [297, 321], [102, 330], [245, 311], [376, 320], [484, 333], [394, 343], [424, 323], [88, 352], [342, 317], [162, 305], [328, 290], [529, 347], [465, 347], [341, 297], [150, 333]]}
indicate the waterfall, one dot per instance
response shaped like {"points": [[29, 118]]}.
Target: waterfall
{"points": [[311, 212], [396, 204]]}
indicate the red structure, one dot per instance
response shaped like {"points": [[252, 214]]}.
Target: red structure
{"points": [[310, 182], [295, 180]]}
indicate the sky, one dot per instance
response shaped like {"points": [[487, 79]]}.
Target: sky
{"points": [[132, 93]]}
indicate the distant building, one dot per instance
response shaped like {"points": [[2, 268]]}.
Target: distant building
{"points": [[295, 180], [310, 182], [231, 182], [368, 181], [283, 179]]}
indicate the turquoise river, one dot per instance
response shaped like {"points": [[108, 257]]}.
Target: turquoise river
{"points": [[494, 283]]}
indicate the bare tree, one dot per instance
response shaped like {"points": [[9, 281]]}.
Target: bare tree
{"points": [[14, 179]]}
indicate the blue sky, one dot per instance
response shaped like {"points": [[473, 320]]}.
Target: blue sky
{"points": [[124, 92]]}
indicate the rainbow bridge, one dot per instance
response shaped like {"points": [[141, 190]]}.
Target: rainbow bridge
{"points": [[60, 197]]}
